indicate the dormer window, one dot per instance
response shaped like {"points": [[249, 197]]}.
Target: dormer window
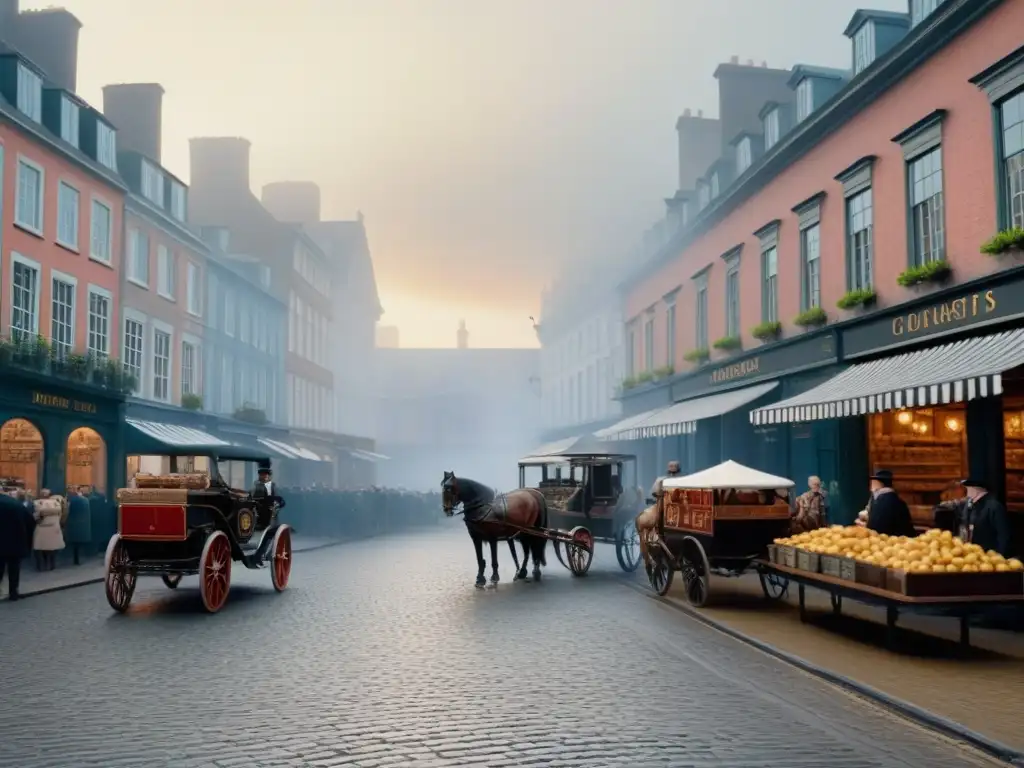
{"points": [[715, 186], [152, 184], [106, 145], [804, 99], [69, 117], [772, 130], [30, 93], [921, 10], [744, 155], [703, 196], [178, 207], [863, 47]]}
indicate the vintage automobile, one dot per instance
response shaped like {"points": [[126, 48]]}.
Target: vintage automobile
{"points": [[192, 522], [592, 495]]}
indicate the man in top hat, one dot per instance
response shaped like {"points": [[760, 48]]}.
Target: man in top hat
{"points": [[983, 519], [265, 488], [887, 512]]}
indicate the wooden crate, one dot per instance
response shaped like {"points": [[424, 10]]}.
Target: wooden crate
{"points": [[956, 584], [808, 561], [786, 556], [871, 575], [773, 553], [839, 567]]}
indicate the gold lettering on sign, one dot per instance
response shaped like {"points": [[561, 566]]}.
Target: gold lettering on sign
{"points": [[736, 370], [939, 315], [55, 401]]}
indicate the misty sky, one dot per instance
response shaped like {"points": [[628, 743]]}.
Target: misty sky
{"points": [[486, 141]]}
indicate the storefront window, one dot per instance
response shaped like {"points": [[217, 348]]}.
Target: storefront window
{"points": [[1013, 432], [21, 454], [926, 451], [86, 460]]}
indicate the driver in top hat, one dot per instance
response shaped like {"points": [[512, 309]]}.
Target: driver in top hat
{"points": [[983, 519], [887, 512], [266, 488], [672, 471]]}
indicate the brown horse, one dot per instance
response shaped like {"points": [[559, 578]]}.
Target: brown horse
{"points": [[646, 527], [518, 514]]}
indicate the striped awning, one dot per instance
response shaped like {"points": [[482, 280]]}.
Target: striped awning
{"points": [[172, 435], [286, 450], [359, 453], [682, 418], [625, 429], [951, 373]]}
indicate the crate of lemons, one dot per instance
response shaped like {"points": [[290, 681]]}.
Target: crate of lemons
{"points": [[934, 551]]}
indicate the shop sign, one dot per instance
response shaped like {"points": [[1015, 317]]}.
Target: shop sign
{"points": [[62, 403], [772, 362], [940, 317]]}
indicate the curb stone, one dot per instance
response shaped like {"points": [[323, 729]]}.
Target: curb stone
{"points": [[100, 579], [930, 720]]}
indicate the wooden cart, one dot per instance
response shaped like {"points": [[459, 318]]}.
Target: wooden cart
{"points": [[720, 521]]}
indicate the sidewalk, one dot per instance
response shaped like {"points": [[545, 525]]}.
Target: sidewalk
{"points": [[979, 692], [66, 576]]}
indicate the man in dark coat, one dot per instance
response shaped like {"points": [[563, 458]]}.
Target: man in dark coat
{"points": [[15, 542], [887, 512], [983, 519]]}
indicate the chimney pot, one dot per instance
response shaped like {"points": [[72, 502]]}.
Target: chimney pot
{"points": [[136, 110], [750, 62], [686, 112], [734, 59], [764, 65], [49, 38], [700, 113]]}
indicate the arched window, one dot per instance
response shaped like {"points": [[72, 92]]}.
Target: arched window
{"points": [[86, 460], [21, 454]]}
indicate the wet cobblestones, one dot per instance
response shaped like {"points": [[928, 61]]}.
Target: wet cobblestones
{"points": [[382, 654]]}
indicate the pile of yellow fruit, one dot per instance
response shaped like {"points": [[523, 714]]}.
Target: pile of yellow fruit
{"points": [[934, 551]]}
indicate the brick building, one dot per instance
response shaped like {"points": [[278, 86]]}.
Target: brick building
{"points": [[808, 298]]}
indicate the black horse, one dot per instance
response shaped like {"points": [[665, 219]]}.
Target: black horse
{"points": [[494, 517]]}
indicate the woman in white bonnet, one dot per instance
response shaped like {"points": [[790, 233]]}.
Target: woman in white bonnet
{"points": [[48, 538]]}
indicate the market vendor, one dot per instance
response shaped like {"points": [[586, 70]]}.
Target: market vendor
{"points": [[887, 512], [983, 519]]}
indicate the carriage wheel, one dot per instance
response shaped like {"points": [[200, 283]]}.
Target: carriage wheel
{"points": [[171, 580], [558, 553], [281, 565], [121, 577], [627, 547], [696, 578], [774, 586], [580, 551], [215, 571], [660, 571]]}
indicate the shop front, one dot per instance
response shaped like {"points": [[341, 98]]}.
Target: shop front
{"points": [[53, 436], [933, 392], [705, 419]]}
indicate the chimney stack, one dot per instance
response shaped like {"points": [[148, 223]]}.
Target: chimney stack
{"points": [[8, 18], [296, 202], [219, 163], [49, 38], [687, 112], [136, 110], [734, 59], [462, 336]]}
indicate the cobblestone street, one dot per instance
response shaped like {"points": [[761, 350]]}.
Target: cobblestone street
{"points": [[382, 653]]}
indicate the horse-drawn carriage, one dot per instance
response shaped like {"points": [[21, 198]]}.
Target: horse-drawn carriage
{"points": [[594, 495], [720, 521], [192, 522]]}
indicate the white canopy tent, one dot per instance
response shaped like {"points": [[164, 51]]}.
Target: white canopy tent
{"points": [[729, 474]]}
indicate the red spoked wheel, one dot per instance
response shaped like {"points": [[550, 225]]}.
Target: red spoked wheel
{"points": [[580, 550], [215, 571], [121, 577], [281, 565]]}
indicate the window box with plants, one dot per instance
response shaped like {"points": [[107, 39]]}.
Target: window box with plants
{"points": [[698, 356], [250, 414], [769, 330], [860, 297], [34, 353], [727, 343], [932, 272], [664, 372], [811, 318], [191, 402], [628, 383], [1008, 241]]}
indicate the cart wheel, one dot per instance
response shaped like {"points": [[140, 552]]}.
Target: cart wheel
{"points": [[215, 571], [171, 580], [580, 551], [121, 577], [627, 547], [558, 553], [281, 565], [695, 573], [774, 586], [660, 572]]}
